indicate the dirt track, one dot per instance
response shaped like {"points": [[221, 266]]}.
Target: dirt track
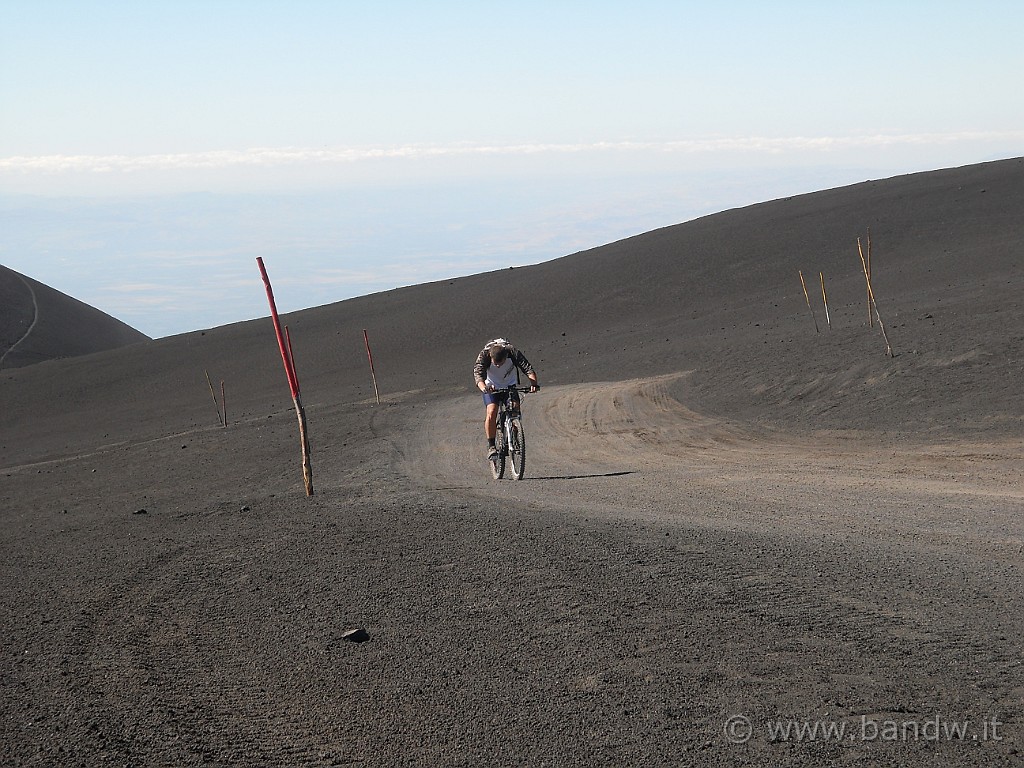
{"points": [[657, 459]]}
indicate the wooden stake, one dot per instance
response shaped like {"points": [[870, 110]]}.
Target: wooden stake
{"points": [[871, 298], [867, 279], [824, 298], [373, 375], [870, 319], [293, 381], [214, 395], [808, 300], [307, 465]]}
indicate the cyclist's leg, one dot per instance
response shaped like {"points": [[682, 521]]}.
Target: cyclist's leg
{"points": [[491, 421], [491, 402]]}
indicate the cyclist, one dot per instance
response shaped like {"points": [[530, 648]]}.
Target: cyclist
{"points": [[497, 366]]}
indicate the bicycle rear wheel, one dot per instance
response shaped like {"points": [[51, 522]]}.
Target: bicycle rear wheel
{"points": [[517, 448], [498, 462]]}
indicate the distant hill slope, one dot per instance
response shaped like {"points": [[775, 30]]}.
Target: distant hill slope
{"points": [[39, 323], [719, 296]]}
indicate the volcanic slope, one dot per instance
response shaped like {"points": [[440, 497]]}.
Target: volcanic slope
{"points": [[38, 323], [728, 517]]}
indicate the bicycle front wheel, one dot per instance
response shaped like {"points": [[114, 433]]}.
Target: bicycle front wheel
{"points": [[517, 448]]}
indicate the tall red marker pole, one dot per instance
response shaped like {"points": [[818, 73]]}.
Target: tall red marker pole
{"points": [[293, 381], [373, 375]]}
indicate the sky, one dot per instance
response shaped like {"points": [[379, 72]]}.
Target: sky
{"points": [[150, 151]]}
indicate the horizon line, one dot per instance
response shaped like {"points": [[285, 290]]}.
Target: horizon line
{"points": [[269, 157]]}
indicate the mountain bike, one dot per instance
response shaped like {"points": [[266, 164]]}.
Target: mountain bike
{"points": [[510, 440]]}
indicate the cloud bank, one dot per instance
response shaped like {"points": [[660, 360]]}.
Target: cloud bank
{"points": [[288, 156]]}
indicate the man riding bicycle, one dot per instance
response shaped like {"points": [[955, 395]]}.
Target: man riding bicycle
{"points": [[497, 367]]}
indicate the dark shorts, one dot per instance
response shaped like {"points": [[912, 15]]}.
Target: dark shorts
{"points": [[499, 397]]}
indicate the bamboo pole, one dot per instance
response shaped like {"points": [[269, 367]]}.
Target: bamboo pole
{"points": [[868, 272], [808, 300], [369, 356], [214, 395], [871, 298], [824, 298], [293, 381]]}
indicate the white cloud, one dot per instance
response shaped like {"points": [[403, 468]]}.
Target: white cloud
{"points": [[287, 156]]}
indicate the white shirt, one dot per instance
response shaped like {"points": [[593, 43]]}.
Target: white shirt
{"points": [[504, 375]]}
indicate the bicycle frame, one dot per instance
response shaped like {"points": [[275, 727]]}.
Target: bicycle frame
{"points": [[508, 416]]}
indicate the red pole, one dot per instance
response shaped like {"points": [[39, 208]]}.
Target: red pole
{"points": [[293, 384], [293, 381], [373, 375]]}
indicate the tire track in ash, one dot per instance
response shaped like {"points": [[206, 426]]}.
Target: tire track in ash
{"points": [[192, 653], [32, 325], [148, 657]]}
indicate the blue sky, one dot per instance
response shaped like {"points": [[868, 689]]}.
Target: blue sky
{"points": [[149, 151]]}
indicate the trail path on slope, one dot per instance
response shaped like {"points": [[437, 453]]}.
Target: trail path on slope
{"points": [[630, 449], [32, 325]]}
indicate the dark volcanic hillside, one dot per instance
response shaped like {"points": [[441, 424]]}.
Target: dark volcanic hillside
{"points": [[719, 295], [38, 323]]}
